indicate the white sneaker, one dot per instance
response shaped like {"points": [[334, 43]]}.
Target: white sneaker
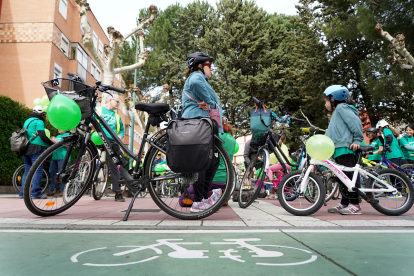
{"points": [[200, 206]]}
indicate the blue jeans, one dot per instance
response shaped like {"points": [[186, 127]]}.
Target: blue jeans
{"points": [[54, 168], [28, 162]]}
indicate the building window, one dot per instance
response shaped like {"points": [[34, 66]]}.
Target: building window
{"points": [[100, 49], [95, 40], [98, 74], [93, 69], [124, 110], [117, 76], [63, 7], [82, 58], [64, 45], [57, 73]]}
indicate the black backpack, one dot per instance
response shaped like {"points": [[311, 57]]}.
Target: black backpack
{"points": [[19, 141], [190, 144]]}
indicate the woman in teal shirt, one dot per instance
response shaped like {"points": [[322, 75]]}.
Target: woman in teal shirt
{"points": [[390, 141], [407, 144], [375, 141], [198, 98]]}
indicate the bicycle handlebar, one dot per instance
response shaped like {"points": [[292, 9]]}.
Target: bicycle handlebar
{"points": [[309, 129], [105, 87], [297, 119], [256, 100]]}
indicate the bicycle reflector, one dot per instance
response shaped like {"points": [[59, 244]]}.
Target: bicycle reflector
{"points": [[50, 203]]}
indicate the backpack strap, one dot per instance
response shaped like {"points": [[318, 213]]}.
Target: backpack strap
{"points": [[118, 125]]}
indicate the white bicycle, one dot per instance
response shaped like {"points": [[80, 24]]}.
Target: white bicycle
{"points": [[380, 190]]}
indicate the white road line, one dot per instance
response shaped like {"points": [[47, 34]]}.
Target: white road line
{"points": [[199, 231]]}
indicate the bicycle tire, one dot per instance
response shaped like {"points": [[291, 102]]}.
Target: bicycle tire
{"points": [[249, 177], [17, 184], [384, 200], [36, 205], [409, 174], [100, 181], [289, 206], [184, 212], [331, 187]]}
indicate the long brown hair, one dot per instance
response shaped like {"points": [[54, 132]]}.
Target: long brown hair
{"points": [[227, 127], [189, 71]]}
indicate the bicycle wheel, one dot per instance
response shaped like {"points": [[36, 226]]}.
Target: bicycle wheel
{"points": [[100, 181], [408, 173], [72, 191], [252, 181], [389, 204], [303, 204], [331, 185], [184, 184], [18, 177]]}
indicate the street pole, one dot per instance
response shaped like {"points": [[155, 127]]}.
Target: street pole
{"points": [[131, 137]]}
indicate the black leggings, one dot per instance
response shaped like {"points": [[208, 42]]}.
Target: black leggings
{"points": [[349, 160], [202, 186]]}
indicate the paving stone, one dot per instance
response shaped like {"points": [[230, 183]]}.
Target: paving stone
{"points": [[296, 218], [138, 222], [356, 222], [223, 223], [16, 220], [396, 222], [267, 223], [95, 222], [180, 223], [312, 223], [55, 221]]}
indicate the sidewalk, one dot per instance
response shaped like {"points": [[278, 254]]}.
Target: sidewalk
{"points": [[264, 214]]}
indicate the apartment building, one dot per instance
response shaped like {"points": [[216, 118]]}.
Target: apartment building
{"points": [[41, 40]]}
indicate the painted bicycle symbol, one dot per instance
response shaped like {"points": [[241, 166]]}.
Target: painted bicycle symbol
{"points": [[183, 253]]}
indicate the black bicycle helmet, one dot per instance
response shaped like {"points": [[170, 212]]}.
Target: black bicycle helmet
{"points": [[197, 58], [372, 129]]}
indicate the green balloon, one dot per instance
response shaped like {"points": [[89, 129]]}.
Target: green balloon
{"points": [[63, 113], [320, 147], [236, 149], [45, 108], [47, 132], [159, 168], [96, 139], [45, 100], [37, 101], [259, 173]]}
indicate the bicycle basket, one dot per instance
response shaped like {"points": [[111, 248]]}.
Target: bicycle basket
{"points": [[71, 89]]}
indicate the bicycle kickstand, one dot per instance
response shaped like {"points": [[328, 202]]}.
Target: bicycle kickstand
{"points": [[128, 211]]}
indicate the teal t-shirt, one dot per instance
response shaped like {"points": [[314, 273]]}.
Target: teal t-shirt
{"points": [[36, 125], [396, 151], [376, 143], [342, 151], [229, 145], [408, 154], [109, 117], [60, 153]]}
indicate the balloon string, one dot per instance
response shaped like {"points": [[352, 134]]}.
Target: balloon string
{"points": [[310, 122]]}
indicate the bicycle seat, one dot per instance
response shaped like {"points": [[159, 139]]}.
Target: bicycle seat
{"points": [[366, 148], [153, 108]]}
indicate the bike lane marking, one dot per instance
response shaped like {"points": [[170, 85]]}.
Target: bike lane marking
{"points": [[93, 252]]}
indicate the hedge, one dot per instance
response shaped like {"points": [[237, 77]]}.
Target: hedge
{"points": [[12, 116]]}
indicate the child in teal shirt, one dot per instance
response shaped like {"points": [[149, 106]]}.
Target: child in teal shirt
{"points": [[407, 144], [375, 141], [345, 130]]}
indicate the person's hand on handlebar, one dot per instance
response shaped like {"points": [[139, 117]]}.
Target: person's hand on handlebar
{"points": [[354, 146]]}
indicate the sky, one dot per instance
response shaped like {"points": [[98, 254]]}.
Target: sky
{"points": [[121, 14]]}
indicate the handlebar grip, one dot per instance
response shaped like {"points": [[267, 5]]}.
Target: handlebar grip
{"points": [[305, 129], [119, 90], [256, 100], [297, 120]]}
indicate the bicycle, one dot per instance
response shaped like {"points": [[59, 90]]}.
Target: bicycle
{"points": [[78, 168], [260, 162], [377, 188], [18, 175]]}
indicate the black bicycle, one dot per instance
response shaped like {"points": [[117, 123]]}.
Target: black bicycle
{"points": [[79, 164], [253, 178]]}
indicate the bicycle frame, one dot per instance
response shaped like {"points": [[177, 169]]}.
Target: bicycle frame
{"points": [[338, 170]]}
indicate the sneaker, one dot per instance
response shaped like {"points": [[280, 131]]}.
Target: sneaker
{"points": [[351, 210], [21, 197], [118, 197], [200, 206], [337, 208], [272, 197], [397, 195], [40, 197], [215, 196], [59, 193], [50, 193]]}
